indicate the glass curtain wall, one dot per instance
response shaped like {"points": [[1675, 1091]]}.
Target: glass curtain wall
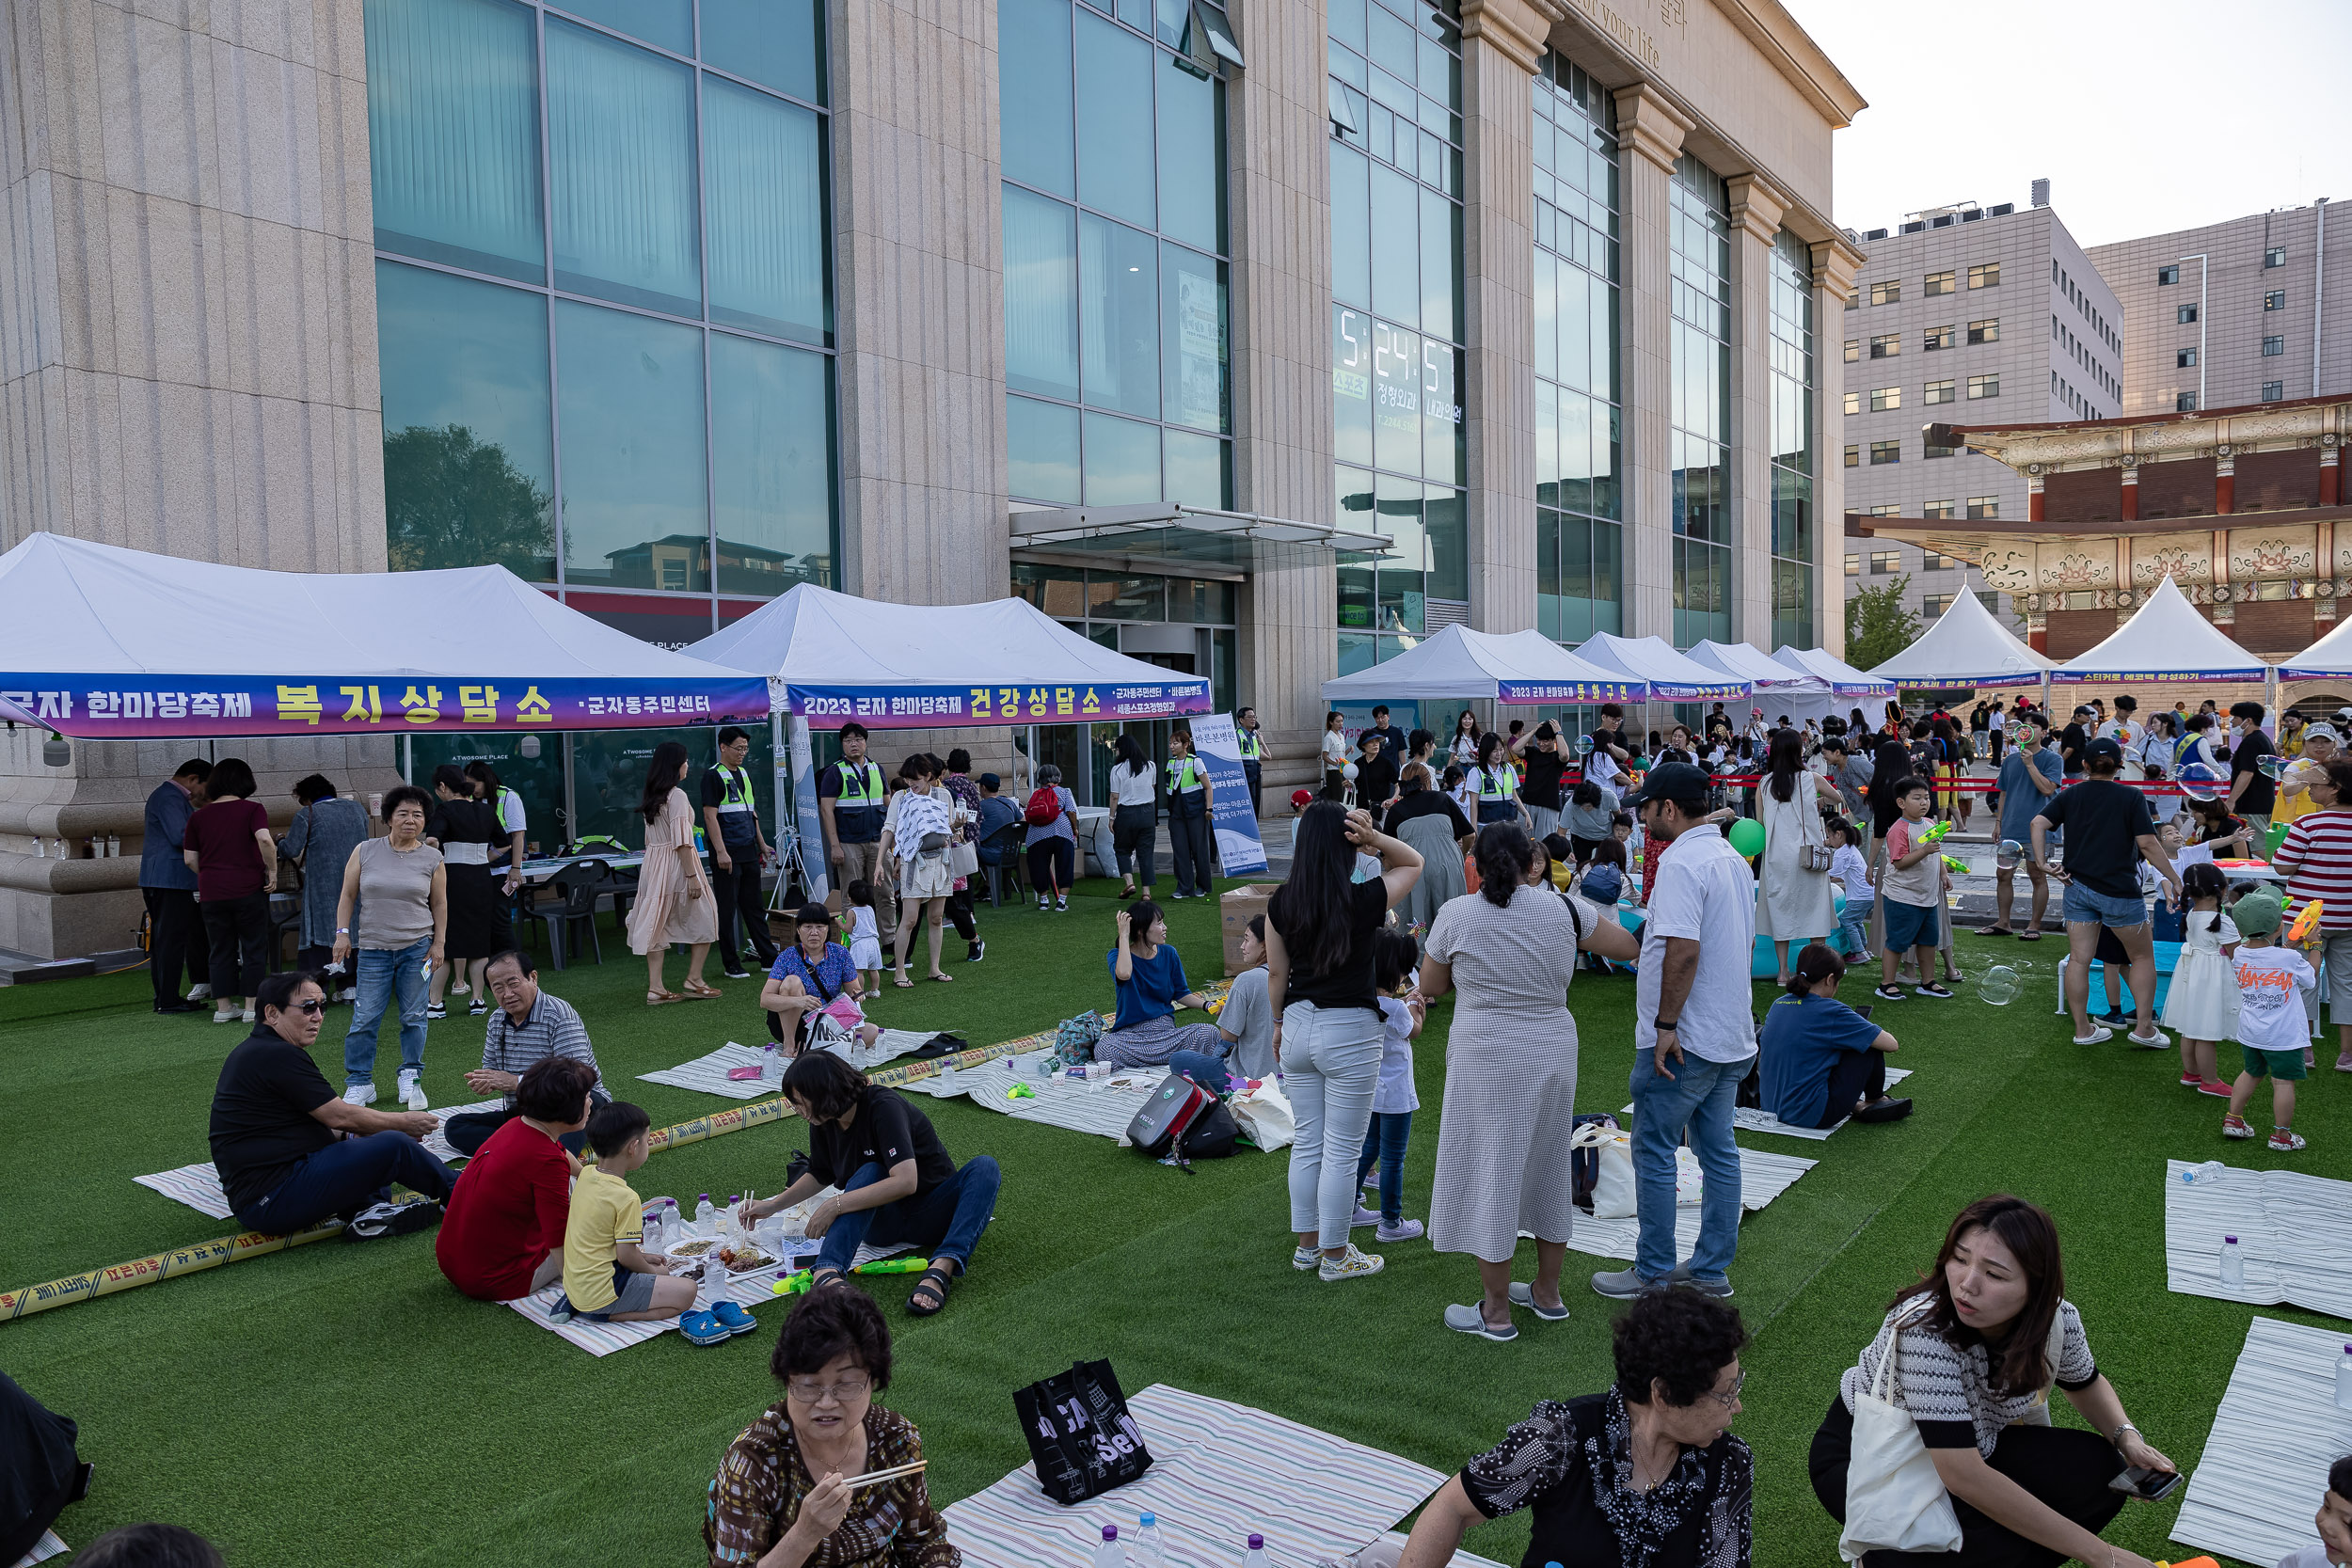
{"points": [[1116, 319], [1793, 542], [1395, 100], [1699, 250], [604, 296], [1580, 497]]}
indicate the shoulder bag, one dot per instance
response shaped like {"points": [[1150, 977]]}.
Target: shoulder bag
{"points": [[1895, 1499], [1813, 852]]}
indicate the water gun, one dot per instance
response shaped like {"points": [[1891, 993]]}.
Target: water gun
{"points": [[797, 1283], [1021, 1091], [1957, 868], [2191, 1562], [2305, 924], [1934, 834]]}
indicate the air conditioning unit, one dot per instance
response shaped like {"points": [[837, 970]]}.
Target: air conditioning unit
{"points": [[1973, 214], [2003, 210], [1874, 235], [1915, 228], [2041, 193]]}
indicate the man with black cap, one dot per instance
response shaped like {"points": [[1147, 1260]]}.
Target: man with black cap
{"points": [[2108, 829], [2077, 736], [1694, 1031]]}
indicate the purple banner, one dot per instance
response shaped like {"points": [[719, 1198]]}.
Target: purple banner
{"points": [[1568, 692], [144, 707], [2150, 677], [914, 707]]}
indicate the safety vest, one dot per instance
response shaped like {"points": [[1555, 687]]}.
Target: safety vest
{"points": [[1184, 781], [738, 815], [864, 800], [1250, 750], [1497, 786]]}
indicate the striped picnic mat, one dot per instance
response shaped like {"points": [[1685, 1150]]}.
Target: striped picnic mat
{"points": [[2294, 1234], [49, 1546], [1762, 1178], [1102, 1106], [2265, 1465], [1750, 1119], [708, 1074], [1221, 1472], [198, 1186]]}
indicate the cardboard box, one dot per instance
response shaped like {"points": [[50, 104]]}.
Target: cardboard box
{"points": [[1237, 908]]}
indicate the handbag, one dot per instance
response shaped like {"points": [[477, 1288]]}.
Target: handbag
{"points": [[1895, 1499], [1612, 1175], [1082, 1440], [1265, 1117], [1814, 855]]}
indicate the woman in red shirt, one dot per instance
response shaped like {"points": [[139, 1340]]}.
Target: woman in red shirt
{"points": [[227, 845], [502, 1237]]}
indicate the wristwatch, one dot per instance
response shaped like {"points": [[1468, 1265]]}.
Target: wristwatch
{"points": [[1665, 1026]]}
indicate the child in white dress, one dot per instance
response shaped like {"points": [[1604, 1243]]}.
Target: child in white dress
{"points": [[2203, 1003], [864, 936]]}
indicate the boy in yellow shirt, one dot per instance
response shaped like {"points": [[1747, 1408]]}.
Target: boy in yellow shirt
{"points": [[608, 1277]]}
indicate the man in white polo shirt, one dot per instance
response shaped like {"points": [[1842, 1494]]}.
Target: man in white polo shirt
{"points": [[1695, 1032]]}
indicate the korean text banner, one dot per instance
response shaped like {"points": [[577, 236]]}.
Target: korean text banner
{"points": [[1239, 850], [930, 705], [150, 707], [1571, 691]]}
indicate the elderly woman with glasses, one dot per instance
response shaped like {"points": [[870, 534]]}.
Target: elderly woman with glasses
{"points": [[782, 1494], [1643, 1473]]}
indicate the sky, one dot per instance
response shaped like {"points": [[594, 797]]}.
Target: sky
{"points": [[2145, 117]]}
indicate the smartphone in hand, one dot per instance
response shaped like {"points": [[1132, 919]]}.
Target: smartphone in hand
{"points": [[2144, 1484]]}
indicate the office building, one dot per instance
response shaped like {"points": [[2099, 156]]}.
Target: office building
{"points": [[1255, 339], [2256, 309], [1964, 314]]}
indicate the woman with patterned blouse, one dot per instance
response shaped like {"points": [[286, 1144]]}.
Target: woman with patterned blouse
{"points": [[780, 1501], [1642, 1476]]}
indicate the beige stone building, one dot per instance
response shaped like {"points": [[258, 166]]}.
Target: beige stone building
{"points": [[1258, 339]]}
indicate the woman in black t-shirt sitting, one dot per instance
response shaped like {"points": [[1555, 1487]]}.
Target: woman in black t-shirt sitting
{"points": [[1644, 1473], [1326, 1017]]}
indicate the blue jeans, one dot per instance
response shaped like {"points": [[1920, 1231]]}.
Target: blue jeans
{"points": [[1331, 1065], [1856, 924], [2085, 906], [386, 972], [1205, 1068], [1699, 1098], [1385, 1142], [946, 1222], [346, 1177]]}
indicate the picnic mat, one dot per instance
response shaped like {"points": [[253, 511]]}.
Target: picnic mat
{"points": [[1762, 1178], [2254, 1491], [198, 1186], [49, 1546], [1221, 1472], [1102, 1106], [2294, 1234], [708, 1074], [1750, 1119]]}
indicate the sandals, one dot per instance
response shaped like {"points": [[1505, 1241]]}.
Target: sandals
{"points": [[902, 983], [942, 977], [935, 1282], [702, 992], [662, 998]]}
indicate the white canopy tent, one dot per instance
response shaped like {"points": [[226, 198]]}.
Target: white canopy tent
{"points": [[1518, 668], [1671, 676], [1779, 690], [2329, 658], [1966, 647], [1845, 681], [2166, 640]]}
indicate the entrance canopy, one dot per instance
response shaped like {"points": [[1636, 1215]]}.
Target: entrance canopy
{"points": [[1966, 647], [1844, 679], [1524, 667], [104, 643], [1780, 691], [1671, 676], [2166, 640], [830, 657]]}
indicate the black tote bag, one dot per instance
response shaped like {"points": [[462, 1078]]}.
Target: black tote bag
{"points": [[1080, 1434]]}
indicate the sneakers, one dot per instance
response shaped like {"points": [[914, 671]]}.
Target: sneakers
{"points": [[2343, 1064], [349, 993], [1305, 1257], [1719, 1290], [2282, 1141], [1623, 1284], [247, 1016], [1403, 1231], [561, 1311], [2215, 1087], [731, 974], [2235, 1127], [477, 1007], [435, 1010], [2190, 1081], [200, 992], [1524, 1295], [1356, 1265], [220, 1017], [1943, 993], [2098, 1032], [457, 988], [1890, 994], [980, 951], [1363, 1216], [1882, 1110], [359, 1093], [1042, 904], [2114, 1016], [412, 1092], [1061, 904], [392, 1219]]}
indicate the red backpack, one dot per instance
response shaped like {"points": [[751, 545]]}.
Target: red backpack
{"points": [[1044, 810]]}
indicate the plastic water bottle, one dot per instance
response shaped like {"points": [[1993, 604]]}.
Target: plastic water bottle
{"points": [[703, 1213], [1107, 1555], [1149, 1552], [657, 1239], [2344, 1379], [714, 1281], [2233, 1268], [1255, 1556]]}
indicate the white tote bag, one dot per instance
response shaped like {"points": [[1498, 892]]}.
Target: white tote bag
{"points": [[1265, 1117], [1894, 1500], [1613, 1189]]}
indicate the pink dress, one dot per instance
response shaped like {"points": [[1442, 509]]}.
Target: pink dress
{"points": [[662, 913]]}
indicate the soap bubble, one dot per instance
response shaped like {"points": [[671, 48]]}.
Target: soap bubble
{"points": [[1583, 745], [2000, 986], [2202, 781], [1348, 772], [2274, 766], [2009, 853]]}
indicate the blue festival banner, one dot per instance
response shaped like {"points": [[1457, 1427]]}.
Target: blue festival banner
{"points": [[1239, 850], [1521, 692], [909, 707], [146, 707]]}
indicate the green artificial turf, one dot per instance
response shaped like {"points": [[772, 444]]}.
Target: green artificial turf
{"points": [[342, 1403]]}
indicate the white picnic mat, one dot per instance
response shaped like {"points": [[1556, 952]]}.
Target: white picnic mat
{"points": [[2265, 1465], [1102, 1106], [1762, 1178], [2294, 1234], [1221, 1472], [708, 1074], [49, 1546], [198, 1186], [1749, 1119]]}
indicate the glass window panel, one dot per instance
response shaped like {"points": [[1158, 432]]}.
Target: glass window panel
{"points": [[779, 42], [454, 133], [1576, 558], [1443, 450], [1547, 441], [1395, 246], [1136, 14], [621, 143], [1576, 348], [1033, 93], [1446, 516], [1400, 522], [1345, 64], [1547, 316], [1042, 450], [764, 172], [1356, 501], [665, 24], [1396, 399], [1608, 459], [1351, 226], [1608, 554], [1119, 324], [1440, 309], [1193, 336], [1192, 158], [1115, 161], [1123, 461], [1199, 601], [1356, 603], [1351, 383], [1041, 295], [1400, 101], [1548, 564], [1393, 46], [1195, 469], [1059, 591], [1575, 449], [1403, 603], [1112, 597], [770, 466], [1346, 19], [1358, 650], [630, 406], [469, 455]]}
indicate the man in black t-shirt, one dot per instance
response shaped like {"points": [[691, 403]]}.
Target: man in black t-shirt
{"points": [[1609, 735], [2252, 794], [2073, 738], [1392, 738], [1543, 765], [2109, 828], [898, 1184], [290, 1151]]}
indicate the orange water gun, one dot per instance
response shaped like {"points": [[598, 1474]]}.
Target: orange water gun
{"points": [[2305, 924]]}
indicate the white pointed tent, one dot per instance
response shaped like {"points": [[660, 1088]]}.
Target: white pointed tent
{"points": [[1844, 679], [2329, 658], [1672, 676], [2166, 640], [1459, 664], [1966, 647], [1780, 691]]}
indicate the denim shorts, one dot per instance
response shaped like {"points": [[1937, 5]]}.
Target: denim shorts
{"points": [[2082, 906], [635, 1294], [1911, 926]]}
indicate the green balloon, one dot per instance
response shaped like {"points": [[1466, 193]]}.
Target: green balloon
{"points": [[1747, 836]]}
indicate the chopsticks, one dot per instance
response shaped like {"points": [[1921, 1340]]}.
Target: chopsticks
{"points": [[875, 1478]]}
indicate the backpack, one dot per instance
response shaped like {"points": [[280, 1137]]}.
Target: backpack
{"points": [[1044, 810], [1074, 1038]]}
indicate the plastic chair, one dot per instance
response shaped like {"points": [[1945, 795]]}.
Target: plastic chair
{"points": [[576, 893], [1006, 840]]}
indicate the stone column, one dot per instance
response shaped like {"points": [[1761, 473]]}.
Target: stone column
{"points": [[1756, 206], [1835, 264], [1650, 133], [918, 271], [1502, 41]]}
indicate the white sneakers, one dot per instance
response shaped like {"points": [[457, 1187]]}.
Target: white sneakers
{"points": [[1358, 1264], [200, 992], [359, 1093], [412, 1092]]}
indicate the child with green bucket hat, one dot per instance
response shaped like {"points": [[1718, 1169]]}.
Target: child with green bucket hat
{"points": [[2272, 1030]]}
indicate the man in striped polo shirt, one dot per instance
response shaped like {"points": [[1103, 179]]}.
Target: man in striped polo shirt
{"points": [[2316, 860], [528, 1025]]}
